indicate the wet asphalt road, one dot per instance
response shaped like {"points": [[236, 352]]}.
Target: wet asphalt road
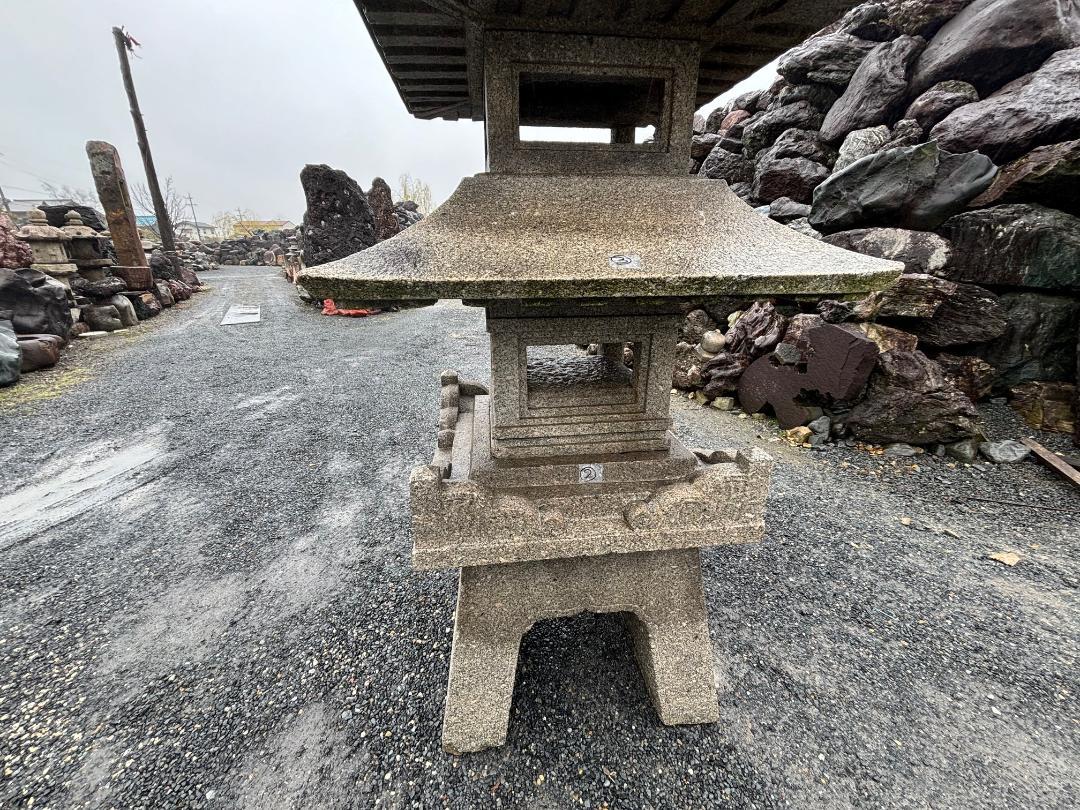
{"points": [[206, 600]]}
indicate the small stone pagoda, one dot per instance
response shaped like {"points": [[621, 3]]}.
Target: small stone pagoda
{"points": [[562, 488]]}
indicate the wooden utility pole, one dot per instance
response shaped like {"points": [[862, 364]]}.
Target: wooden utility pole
{"points": [[194, 219], [123, 45]]}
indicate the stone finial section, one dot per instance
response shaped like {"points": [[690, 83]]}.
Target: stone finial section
{"points": [[662, 593], [112, 189], [51, 247]]}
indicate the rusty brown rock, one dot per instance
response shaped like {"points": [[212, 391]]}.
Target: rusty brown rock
{"points": [[112, 189], [972, 375], [838, 364], [381, 201], [1046, 405]]}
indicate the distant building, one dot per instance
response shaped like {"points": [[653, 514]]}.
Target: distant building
{"points": [[190, 231], [147, 225], [249, 226]]}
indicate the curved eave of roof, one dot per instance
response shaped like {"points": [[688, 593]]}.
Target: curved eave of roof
{"points": [[553, 237], [432, 48]]}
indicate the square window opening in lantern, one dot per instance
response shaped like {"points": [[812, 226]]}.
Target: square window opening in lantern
{"points": [[565, 376], [622, 111]]}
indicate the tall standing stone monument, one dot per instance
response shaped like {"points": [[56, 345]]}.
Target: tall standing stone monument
{"points": [[112, 189], [563, 489]]}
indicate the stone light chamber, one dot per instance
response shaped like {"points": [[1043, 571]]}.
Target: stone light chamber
{"points": [[563, 489]]}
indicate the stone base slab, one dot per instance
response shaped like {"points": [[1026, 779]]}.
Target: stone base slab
{"points": [[662, 593]]}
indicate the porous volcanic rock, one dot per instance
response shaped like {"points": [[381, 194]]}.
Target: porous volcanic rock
{"points": [[755, 333], [830, 59], [98, 290], [1016, 245], [909, 400], [145, 304], [1049, 175], [935, 104], [381, 201], [915, 187], [877, 91], [920, 251], [1039, 342], [1037, 109], [338, 221], [36, 302], [991, 42]]}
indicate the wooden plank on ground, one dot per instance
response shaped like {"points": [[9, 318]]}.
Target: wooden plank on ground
{"points": [[1053, 461]]}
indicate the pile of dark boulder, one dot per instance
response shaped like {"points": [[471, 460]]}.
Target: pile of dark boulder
{"points": [[944, 135], [260, 248], [40, 315]]}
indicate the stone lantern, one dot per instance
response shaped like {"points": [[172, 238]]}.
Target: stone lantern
{"points": [[562, 488], [86, 248], [51, 247]]}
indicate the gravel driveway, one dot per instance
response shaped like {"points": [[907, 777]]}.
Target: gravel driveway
{"points": [[206, 600]]}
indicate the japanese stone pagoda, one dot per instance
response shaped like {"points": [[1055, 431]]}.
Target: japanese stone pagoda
{"points": [[563, 489]]}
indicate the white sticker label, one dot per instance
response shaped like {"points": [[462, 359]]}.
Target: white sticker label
{"points": [[625, 261], [590, 473]]}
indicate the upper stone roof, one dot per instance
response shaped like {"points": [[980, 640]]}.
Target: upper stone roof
{"points": [[432, 48], [558, 237]]}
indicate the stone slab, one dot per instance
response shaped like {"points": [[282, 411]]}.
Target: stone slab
{"points": [[662, 593], [517, 237]]}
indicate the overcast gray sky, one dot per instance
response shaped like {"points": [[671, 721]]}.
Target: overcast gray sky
{"points": [[237, 96]]}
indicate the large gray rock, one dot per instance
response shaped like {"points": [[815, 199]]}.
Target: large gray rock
{"points": [[701, 145], [868, 21], [909, 400], [784, 209], [992, 42], [1040, 341], [920, 251], [769, 126], [1037, 109], [860, 144], [102, 318], [799, 143], [10, 355], [819, 96], [905, 132], [125, 310], [935, 104], [922, 17], [724, 165], [36, 302], [830, 59], [795, 178], [916, 187], [969, 315], [1016, 245], [877, 91], [338, 221], [1049, 175]]}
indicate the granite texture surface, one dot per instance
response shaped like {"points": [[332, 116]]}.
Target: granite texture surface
{"points": [[469, 508], [562, 237], [661, 592]]}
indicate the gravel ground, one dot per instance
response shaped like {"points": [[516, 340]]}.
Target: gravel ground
{"points": [[206, 600]]}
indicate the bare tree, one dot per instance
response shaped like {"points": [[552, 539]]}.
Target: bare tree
{"points": [[81, 196], [416, 190], [175, 202]]}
